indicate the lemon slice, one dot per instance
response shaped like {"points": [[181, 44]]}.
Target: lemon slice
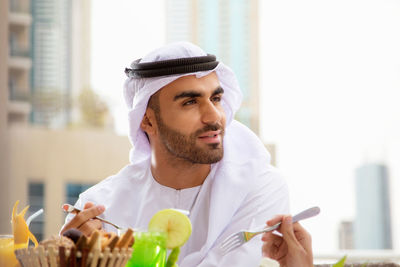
{"points": [[177, 226]]}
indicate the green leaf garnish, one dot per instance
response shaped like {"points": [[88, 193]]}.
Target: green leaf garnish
{"points": [[340, 263]]}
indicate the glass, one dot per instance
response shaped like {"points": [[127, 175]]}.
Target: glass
{"points": [[7, 256], [149, 250]]}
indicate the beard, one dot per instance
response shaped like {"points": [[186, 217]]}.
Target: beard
{"points": [[184, 146]]}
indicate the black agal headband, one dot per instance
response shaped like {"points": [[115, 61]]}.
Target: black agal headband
{"points": [[171, 66]]}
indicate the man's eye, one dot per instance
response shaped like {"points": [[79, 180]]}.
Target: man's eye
{"points": [[216, 99], [190, 102]]}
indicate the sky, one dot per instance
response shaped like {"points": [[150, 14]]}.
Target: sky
{"points": [[330, 73]]}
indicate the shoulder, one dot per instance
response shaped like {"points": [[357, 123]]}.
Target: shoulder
{"points": [[127, 178], [241, 145], [247, 160], [269, 194], [273, 180]]}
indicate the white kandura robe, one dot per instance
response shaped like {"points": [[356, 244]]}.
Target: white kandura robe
{"points": [[242, 191]]}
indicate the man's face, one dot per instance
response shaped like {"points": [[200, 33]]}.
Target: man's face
{"points": [[191, 120]]}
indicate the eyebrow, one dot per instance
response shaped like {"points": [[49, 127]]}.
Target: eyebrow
{"points": [[192, 94], [218, 91]]}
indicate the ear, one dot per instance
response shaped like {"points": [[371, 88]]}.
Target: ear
{"points": [[148, 123]]}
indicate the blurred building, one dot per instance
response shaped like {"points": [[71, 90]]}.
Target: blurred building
{"points": [[228, 29], [52, 167], [15, 23], [61, 59], [346, 235], [372, 227], [41, 166], [4, 102], [19, 60]]}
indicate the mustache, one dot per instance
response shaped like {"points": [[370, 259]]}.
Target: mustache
{"points": [[210, 127]]}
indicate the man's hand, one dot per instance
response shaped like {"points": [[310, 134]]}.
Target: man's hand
{"points": [[293, 248], [84, 221]]}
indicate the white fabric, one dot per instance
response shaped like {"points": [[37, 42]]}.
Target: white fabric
{"points": [[242, 190]]}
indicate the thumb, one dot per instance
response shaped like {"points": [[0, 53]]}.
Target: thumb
{"points": [[288, 232]]}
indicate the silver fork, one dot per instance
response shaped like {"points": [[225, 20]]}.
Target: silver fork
{"points": [[71, 209], [237, 239]]}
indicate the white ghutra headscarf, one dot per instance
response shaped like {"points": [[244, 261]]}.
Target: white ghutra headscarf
{"points": [[137, 92]]}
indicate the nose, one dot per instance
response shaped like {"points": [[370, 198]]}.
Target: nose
{"points": [[211, 114]]}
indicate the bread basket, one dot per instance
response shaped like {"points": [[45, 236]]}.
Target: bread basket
{"points": [[61, 257]]}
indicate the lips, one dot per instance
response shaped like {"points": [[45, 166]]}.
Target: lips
{"points": [[211, 137]]}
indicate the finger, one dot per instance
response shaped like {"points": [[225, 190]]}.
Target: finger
{"points": [[86, 215], [88, 205], [275, 220], [72, 224], [300, 231], [274, 248], [269, 250], [96, 224], [88, 227], [272, 239], [287, 231], [268, 237], [264, 237], [266, 250], [302, 236]]}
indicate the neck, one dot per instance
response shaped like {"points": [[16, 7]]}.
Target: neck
{"points": [[178, 173]]}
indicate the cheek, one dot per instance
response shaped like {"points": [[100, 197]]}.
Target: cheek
{"points": [[184, 122], [223, 115]]}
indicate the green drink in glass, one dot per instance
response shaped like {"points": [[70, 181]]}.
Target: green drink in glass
{"points": [[149, 250]]}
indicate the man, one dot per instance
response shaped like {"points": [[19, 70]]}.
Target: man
{"points": [[188, 153]]}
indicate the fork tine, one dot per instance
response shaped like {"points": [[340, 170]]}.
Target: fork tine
{"points": [[231, 246], [228, 242], [233, 241], [230, 238]]}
